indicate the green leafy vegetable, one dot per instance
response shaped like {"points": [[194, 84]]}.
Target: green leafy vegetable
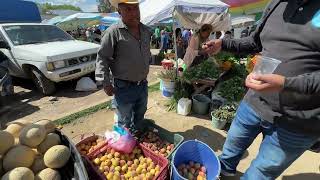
{"points": [[207, 69], [233, 89]]}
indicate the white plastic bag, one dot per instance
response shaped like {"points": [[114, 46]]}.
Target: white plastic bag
{"points": [[184, 106], [86, 84]]}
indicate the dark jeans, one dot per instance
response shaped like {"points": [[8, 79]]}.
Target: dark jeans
{"points": [[131, 102], [278, 150]]}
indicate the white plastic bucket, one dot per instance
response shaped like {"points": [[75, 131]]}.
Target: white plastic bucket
{"points": [[168, 88]]}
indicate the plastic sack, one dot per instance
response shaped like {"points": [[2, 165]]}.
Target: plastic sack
{"points": [[184, 106], [121, 140], [86, 84]]}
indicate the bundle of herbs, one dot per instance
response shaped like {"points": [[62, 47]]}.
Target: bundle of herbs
{"points": [[205, 70], [226, 112], [233, 89], [168, 75]]}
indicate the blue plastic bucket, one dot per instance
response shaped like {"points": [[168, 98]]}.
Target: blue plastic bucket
{"points": [[196, 151], [168, 88]]}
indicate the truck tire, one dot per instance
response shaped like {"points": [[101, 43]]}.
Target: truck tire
{"points": [[43, 84]]}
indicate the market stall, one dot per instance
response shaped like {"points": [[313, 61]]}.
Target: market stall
{"points": [[188, 14], [83, 20]]}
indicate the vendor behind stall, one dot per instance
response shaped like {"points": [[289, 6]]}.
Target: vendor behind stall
{"points": [[194, 53]]}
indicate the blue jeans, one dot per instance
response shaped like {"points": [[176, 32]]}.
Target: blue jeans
{"points": [[131, 102], [278, 150]]}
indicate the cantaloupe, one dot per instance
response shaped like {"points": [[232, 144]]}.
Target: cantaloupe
{"points": [[32, 135], [6, 142], [57, 156], [16, 141], [14, 129], [22, 122], [18, 156], [38, 164], [19, 173], [48, 125], [52, 139], [48, 174]]}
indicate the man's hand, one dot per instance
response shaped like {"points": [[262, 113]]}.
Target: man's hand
{"points": [[109, 90], [265, 83], [213, 46]]}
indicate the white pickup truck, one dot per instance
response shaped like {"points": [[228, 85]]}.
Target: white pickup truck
{"points": [[46, 54]]}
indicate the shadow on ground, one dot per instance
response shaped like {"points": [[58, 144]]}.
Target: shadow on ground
{"points": [[236, 177], [305, 176], [214, 139]]}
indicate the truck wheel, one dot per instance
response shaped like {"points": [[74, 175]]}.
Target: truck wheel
{"points": [[44, 85]]}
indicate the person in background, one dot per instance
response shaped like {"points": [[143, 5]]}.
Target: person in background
{"points": [[88, 34], [194, 53], [186, 34], [180, 44], [157, 36], [245, 33], [164, 41], [228, 35], [283, 106], [252, 29], [125, 51], [97, 35], [218, 34]]}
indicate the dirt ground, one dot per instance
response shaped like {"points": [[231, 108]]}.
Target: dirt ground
{"points": [[30, 105], [191, 127]]}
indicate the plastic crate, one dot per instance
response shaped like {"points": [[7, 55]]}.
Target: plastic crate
{"points": [[161, 161], [90, 138], [164, 134]]}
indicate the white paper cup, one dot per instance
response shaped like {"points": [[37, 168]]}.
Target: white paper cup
{"points": [[265, 65]]}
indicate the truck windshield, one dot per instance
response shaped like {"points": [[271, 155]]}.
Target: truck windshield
{"points": [[34, 34]]}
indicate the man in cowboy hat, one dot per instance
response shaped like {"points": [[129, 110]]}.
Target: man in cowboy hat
{"points": [[125, 51]]}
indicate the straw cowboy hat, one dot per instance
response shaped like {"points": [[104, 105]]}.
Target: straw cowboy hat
{"points": [[115, 3]]}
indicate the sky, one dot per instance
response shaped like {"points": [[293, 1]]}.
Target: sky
{"points": [[85, 5]]}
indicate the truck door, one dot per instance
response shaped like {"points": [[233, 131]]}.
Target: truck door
{"points": [[14, 68]]}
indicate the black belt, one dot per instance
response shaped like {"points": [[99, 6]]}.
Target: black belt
{"points": [[133, 82]]}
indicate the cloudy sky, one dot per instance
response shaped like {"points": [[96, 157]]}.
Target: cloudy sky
{"points": [[85, 5]]}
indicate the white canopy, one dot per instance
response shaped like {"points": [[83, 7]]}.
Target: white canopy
{"points": [[242, 21], [190, 13]]}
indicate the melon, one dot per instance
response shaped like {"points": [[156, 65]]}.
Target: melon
{"points": [[57, 156], [38, 164], [15, 129], [48, 174], [52, 139], [32, 135], [16, 141], [48, 125], [18, 156], [19, 122], [7, 141], [19, 173]]}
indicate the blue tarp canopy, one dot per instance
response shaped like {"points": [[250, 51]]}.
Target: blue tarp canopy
{"points": [[54, 21], [110, 18], [19, 11], [82, 16]]}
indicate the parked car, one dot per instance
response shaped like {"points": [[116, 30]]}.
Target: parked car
{"points": [[46, 54]]}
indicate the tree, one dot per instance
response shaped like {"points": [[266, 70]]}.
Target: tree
{"points": [[46, 7], [104, 6]]}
